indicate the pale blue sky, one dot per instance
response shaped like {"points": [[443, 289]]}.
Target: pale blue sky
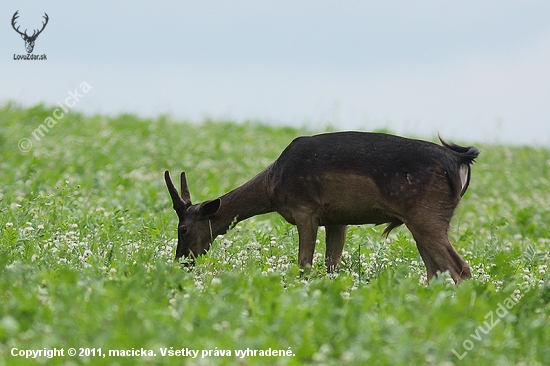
{"points": [[472, 70]]}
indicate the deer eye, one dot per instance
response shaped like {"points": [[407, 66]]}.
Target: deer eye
{"points": [[182, 230]]}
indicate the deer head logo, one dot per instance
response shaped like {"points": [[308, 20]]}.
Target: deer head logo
{"points": [[29, 40]]}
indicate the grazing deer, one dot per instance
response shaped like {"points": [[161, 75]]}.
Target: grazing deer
{"points": [[29, 40], [339, 179]]}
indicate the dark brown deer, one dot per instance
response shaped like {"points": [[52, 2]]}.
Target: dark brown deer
{"points": [[29, 40], [339, 179]]}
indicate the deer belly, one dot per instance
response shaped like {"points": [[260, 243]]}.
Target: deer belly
{"points": [[355, 217], [336, 198], [353, 199]]}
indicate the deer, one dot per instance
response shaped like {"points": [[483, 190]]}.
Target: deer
{"points": [[29, 40], [338, 179]]}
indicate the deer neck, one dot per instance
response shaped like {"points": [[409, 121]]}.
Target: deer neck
{"points": [[250, 199]]}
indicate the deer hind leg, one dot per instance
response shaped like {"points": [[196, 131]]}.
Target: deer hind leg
{"points": [[307, 233], [336, 236], [437, 252]]}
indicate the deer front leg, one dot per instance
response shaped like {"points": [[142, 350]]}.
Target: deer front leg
{"points": [[336, 236], [307, 233]]}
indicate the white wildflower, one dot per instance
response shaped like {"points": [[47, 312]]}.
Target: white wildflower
{"points": [[216, 281]]}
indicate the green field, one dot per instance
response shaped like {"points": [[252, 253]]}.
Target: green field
{"points": [[88, 239]]}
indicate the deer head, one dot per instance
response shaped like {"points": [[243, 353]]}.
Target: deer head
{"points": [[194, 228], [29, 40]]}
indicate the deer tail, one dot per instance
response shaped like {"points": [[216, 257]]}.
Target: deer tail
{"points": [[466, 156]]}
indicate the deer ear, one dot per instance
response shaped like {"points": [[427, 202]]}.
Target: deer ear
{"points": [[209, 208]]}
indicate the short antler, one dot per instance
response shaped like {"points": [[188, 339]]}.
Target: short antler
{"points": [[185, 196], [180, 203]]}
